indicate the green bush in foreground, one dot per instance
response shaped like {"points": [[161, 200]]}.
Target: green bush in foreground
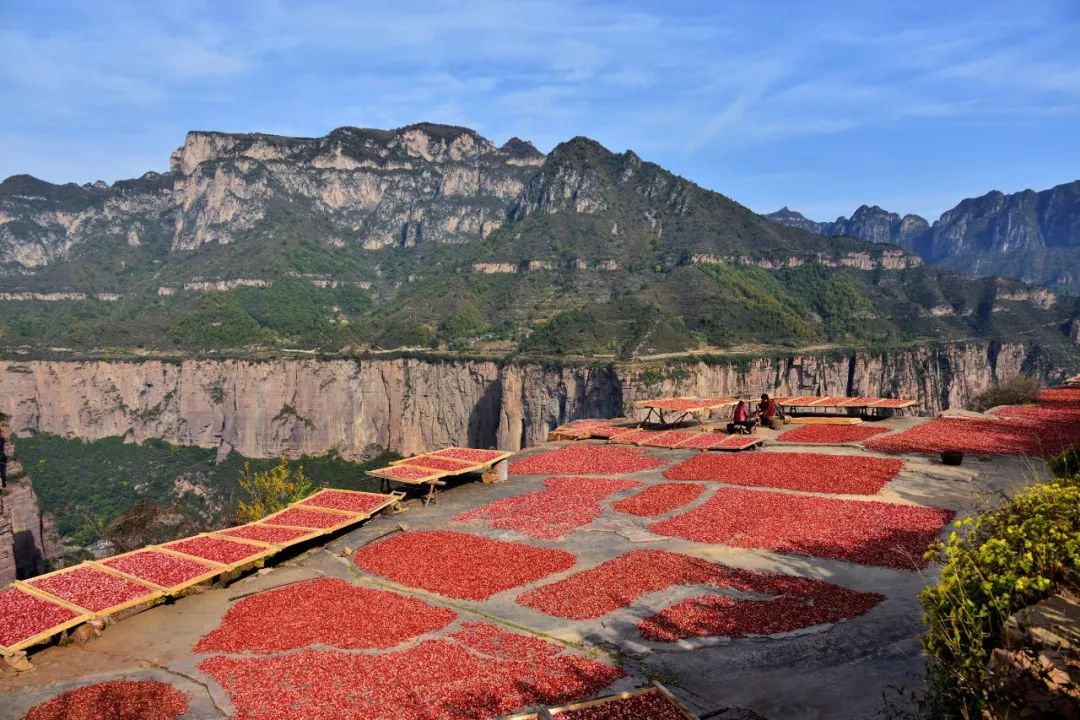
{"points": [[994, 565]]}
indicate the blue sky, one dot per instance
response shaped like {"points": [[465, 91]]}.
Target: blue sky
{"points": [[817, 105]]}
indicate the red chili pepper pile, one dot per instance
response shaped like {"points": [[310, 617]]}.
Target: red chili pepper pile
{"points": [[717, 441], [684, 404], [796, 603], [586, 460], [1060, 395], [1040, 438], [23, 616], [91, 588], [460, 565], [659, 499], [568, 503], [354, 502], [618, 582], [647, 706], [669, 439], [158, 568], [831, 434], [479, 672], [216, 549], [114, 700], [473, 455], [314, 519], [265, 533], [438, 463], [791, 471], [859, 531], [326, 611], [407, 472], [631, 437]]}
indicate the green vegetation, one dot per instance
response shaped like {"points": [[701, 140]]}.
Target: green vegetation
{"points": [[86, 486], [995, 564], [271, 490]]}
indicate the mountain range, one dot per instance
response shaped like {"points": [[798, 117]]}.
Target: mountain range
{"points": [[432, 237], [1032, 236]]}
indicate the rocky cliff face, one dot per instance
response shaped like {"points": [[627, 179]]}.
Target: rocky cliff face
{"points": [[870, 223], [370, 188], [263, 409], [1029, 235], [422, 183], [26, 542]]}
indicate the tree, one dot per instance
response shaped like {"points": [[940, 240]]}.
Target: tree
{"points": [[271, 490]]}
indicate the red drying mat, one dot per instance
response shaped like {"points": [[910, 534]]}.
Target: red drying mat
{"points": [[478, 672], [685, 404], [568, 503], [91, 588], [327, 611], [472, 455], [717, 441], [437, 463], [634, 436], [984, 437], [408, 473], [891, 403], [159, 568], [114, 700], [858, 531], [459, 565], [22, 616], [659, 499], [789, 602], [586, 460], [809, 472], [798, 400], [216, 549], [617, 583], [831, 434], [858, 401], [651, 705], [354, 502], [266, 533], [313, 519], [796, 603], [669, 439]]}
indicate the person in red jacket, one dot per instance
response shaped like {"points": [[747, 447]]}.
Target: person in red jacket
{"points": [[741, 421], [768, 412]]}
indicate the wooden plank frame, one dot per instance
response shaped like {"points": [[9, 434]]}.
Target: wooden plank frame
{"points": [[417, 461], [347, 519], [654, 687], [389, 499], [499, 456], [309, 535], [215, 570], [152, 593], [387, 474], [705, 404], [80, 617], [265, 550], [747, 442]]}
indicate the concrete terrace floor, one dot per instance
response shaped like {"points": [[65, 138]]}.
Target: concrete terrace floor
{"points": [[835, 671]]}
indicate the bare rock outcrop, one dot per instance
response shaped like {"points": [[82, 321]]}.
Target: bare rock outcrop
{"points": [[295, 406], [26, 542]]}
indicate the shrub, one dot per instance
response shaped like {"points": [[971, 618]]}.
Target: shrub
{"points": [[271, 490], [995, 564], [1016, 390]]}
